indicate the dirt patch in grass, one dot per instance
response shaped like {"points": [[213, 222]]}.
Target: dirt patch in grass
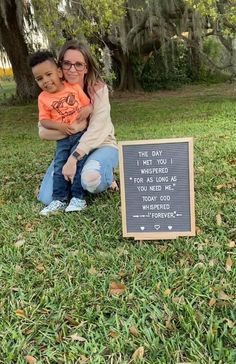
{"points": [[227, 89]]}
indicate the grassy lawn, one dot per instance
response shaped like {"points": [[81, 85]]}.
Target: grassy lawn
{"points": [[177, 301], [7, 89]]}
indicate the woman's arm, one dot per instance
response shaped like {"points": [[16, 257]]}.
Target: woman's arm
{"points": [[99, 128], [52, 134], [100, 125]]}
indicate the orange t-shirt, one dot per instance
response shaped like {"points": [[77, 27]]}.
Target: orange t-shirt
{"points": [[62, 106]]}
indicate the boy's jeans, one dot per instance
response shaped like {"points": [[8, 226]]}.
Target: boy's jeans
{"points": [[62, 189]]}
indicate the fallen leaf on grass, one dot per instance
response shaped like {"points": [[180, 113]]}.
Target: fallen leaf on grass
{"points": [[158, 286], [230, 323], [223, 296], [27, 331], [218, 220], [117, 289], [198, 230], [60, 337], [167, 292], [92, 271], [138, 354], [228, 185], [212, 262], [232, 162], [231, 244], [71, 321], [228, 264], [201, 257], [83, 359], [179, 300], [76, 337], [162, 248], [134, 331], [40, 268], [29, 227], [122, 273], [169, 325], [19, 243], [20, 313], [30, 359], [212, 302], [18, 268], [113, 334], [36, 192]]}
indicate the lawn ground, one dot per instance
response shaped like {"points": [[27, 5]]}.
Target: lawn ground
{"points": [[177, 301]]}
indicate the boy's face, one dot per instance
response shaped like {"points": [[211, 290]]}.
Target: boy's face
{"points": [[48, 76]]}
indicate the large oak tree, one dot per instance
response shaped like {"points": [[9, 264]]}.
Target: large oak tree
{"points": [[12, 39]]}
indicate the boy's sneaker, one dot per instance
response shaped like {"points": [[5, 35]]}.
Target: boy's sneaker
{"points": [[76, 204], [54, 206]]}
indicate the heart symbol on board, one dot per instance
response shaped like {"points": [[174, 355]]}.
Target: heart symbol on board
{"points": [[142, 228], [157, 227], [170, 227]]}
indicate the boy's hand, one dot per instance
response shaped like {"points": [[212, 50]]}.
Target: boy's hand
{"points": [[65, 129], [77, 127]]}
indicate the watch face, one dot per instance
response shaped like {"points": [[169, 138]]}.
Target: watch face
{"points": [[76, 154]]}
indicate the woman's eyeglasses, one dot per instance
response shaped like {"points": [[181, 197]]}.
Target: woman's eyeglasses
{"points": [[66, 65]]}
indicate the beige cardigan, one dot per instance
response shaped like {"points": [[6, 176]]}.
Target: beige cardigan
{"points": [[100, 130]]}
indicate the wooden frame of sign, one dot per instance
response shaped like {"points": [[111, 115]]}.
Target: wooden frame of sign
{"points": [[157, 188]]}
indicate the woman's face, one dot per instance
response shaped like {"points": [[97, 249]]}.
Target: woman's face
{"points": [[78, 69]]}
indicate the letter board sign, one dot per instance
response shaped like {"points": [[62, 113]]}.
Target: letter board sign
{"points": [[157, 188]]}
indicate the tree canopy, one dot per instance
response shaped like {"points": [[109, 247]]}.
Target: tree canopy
{"points": [[130, 29]]}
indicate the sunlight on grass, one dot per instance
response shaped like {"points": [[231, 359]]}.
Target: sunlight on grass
{"points": [[179, 296]]}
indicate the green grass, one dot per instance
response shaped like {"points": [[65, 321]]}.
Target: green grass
{"points": [[7, 89], [61, 266]]}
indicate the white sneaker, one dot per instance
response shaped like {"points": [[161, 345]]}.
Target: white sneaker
{"points": [[54, 206], [76, 204]]}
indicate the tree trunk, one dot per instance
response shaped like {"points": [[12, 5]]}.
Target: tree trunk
{"points": [[127, 77], [17, 51], [233, 57], [195, 59], [128, 81]]}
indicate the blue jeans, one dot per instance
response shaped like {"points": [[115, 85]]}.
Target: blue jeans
{"points": [[101, 161], [62, 189]]}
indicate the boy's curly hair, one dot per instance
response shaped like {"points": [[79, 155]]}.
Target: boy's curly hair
{"points": [[39, 57]]}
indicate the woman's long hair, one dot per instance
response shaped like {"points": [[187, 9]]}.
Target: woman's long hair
{"points": [[92, 77]]}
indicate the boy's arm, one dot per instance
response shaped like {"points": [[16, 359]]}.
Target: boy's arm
{"points": [[52, 125]]}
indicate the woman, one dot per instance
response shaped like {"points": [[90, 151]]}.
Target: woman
{"points": [[98, 142]]}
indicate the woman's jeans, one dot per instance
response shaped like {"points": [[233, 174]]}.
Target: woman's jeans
{"points": [[102, 160]]}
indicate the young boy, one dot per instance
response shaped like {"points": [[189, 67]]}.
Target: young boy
{"points": [[58, 105]]}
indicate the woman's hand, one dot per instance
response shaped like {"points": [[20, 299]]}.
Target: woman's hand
{"points": [[84, 113], [69, 169]]}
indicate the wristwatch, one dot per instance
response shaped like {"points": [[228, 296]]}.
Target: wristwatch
{"points": [[76, 155]]}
